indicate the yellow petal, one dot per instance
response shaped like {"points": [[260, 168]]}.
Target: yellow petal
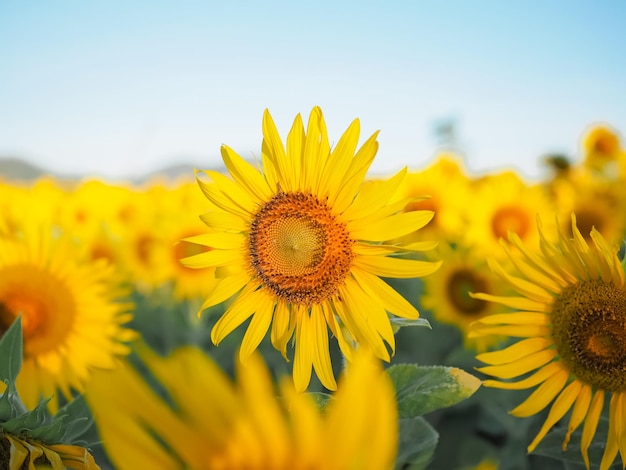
{"points": [[386, 266], [536, 378], [316, 150], [275, 154], [282, 328], [393, 302], [353, 179], [213, 258], [305, 346], [245, 305], [246, 175], [258, 327], [558, 409], [372, 196], [515, 318], [529, 289], [387, 228], [578, 413], [518, 331], [521, 366], [225, 289], [321, 353], [220, 240], [339, 161], [520, 303], [591, 424], [516, 351], [295, 150], [542, 396]]}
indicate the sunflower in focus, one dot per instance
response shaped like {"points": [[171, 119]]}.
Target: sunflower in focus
{"points": [[211, 422], [571, 316], [72, 319], [300, 246], [447, 292]]}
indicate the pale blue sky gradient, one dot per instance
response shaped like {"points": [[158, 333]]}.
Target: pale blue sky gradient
{"points": [[121, 88]]}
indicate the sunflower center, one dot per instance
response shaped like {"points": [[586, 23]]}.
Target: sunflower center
{"points": [[460, 284], [589, 329], [298, 248], [45, 303], [510, 218]]}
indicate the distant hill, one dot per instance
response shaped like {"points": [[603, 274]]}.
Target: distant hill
{"points": [[17, 169], [12, 168]]}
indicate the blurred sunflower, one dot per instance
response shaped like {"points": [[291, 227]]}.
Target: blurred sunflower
{"points": [[504, 202], [209, 422], [597, 202], [72, 321], [181, 222], [572, 316], [301, 244], [447, 292], [601, 147], [443, 188]]}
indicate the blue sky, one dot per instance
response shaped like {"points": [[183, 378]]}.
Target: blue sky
{"points": [[120, 88]]}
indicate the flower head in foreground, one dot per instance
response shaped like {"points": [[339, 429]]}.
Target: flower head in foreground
{"points": [[209, 422], [572, 316], [71, 320], [300, 246]]}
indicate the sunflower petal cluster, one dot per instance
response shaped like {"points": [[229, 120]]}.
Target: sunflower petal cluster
{"points": [[202, 419], [570, 316], [300, 247]]}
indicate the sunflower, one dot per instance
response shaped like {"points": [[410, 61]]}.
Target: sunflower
{"points": [[597, 202], [447, 292], [72, 321], [504, 202], [443, 188], [601, 147], [300, 244], [572, 318], [209, 422], [17, 452]]}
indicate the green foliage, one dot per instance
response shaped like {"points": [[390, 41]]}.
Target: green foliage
{"points": [[11, 353], [417, 443], [422, 389]]}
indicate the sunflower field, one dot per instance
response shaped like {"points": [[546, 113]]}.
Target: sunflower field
{"points": [[299, 312]]}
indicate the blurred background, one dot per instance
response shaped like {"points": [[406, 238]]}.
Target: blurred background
{"points": [[122, 89]]}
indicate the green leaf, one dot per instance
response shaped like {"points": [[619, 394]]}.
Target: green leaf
{"points": [[79, 420], [398, 322], [11, 405], [416, 445], [29, 420], [422, 389], [11, 353]]}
